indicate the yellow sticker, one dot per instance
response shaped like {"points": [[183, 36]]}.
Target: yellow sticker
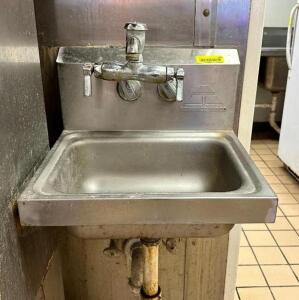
{"points": [[209, 59]]}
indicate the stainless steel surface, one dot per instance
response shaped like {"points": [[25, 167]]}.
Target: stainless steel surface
{"points": [[87, 72], [135, 231], [205, 22], [275, 74], [119, 178], [129, 90], [274, 51], [135, 41], [100, 22], [126, 74], [209, 92], [93, 26], [24, 254], [274, 41]]}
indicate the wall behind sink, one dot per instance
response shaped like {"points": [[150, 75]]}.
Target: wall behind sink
{"points": [[24, 253], [100, 22]]}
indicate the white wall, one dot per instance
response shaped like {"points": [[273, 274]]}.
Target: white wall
{"points": [[277, 12]]}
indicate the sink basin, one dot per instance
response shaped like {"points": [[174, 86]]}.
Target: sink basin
{"points": [[274, 73], [149, 179]]}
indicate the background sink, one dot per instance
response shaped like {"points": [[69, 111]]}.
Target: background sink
{"points": [[147, 178]]}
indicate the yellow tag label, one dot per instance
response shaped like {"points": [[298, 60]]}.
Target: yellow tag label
{"points": [[209, 59]]}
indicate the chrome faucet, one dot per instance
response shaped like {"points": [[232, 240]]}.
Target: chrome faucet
{"points": [[130, 75]]}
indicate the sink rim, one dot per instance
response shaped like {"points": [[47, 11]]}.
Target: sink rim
{"points": [[249, 186], [33, 202]]}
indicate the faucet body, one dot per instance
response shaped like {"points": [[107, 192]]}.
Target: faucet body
{"points": [[133, 71], [129, 75]]}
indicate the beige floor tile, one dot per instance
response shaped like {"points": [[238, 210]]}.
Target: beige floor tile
{"points": [[296, 196], [254, 227], [236, 297], [279, 275], [261, 293], [259, 146], [256, 157], [290, 210], [263, 151], [272, 179], [246, 256], [286, 293], [287, 179], [258, 142], [286, 199], [260, 164], [252, 152], [274, 149], [274, 163], [296, 270], [271, 142], [281, 223], [266, 171], [250, 276], [294, 221], [293, 188], [286, 238], [243, 240], [279, 212], [269, 157], [260, 238], [291, 253], [280, 171], [279, 188], [269, 256]]}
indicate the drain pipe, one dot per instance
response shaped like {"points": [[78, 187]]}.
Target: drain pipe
{"points": [[272, 116], [150, 288], [133, 250]]}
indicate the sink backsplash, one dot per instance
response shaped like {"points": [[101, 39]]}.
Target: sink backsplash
{"points": [[209, 92]]}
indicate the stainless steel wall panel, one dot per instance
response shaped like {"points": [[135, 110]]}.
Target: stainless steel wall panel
{"points": [[90, 22], [205, 22], [24, 254], [209, 93], [232, 23], [171, 23]]}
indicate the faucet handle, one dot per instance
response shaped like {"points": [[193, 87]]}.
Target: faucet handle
{"points": [[87, 72], [179, 75], [173, 88]]}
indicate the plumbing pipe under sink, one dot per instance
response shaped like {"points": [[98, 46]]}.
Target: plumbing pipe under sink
{"points": [[142, 257]]}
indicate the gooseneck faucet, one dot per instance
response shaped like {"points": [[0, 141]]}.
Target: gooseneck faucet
{"points": [[131, 74]]}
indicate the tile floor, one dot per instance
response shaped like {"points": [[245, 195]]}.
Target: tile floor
{"points": [[269, 253]]}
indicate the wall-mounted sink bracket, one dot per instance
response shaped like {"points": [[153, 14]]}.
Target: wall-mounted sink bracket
{"points": [[133, 72]]}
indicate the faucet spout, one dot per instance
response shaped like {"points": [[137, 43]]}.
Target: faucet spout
{"points": [[135, 41], [133, 46]]}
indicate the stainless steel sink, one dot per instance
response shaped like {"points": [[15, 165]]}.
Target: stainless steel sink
{"points": [[148, 179]]}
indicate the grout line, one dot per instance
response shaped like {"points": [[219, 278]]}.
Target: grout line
{"points": [[259, 266], [282, 251], [273, 150], [286, 246], [272, 246], [239, 297]]}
